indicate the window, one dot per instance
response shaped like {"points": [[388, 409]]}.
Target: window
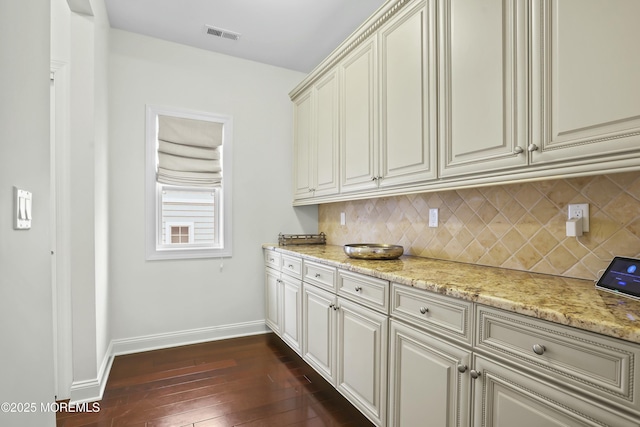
{"points": [[188, 184]]}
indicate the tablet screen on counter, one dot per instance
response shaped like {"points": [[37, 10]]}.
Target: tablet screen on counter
{"points": [[622, 276]]}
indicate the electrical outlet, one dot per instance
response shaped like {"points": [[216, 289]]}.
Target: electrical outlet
{"points": [[580, 210], [343, 218], [433, 217]]}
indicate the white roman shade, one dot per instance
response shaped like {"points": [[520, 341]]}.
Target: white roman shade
{"points": [[189, 152]]}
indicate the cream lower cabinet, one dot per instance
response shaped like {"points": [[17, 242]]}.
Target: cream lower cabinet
{"points": [[508, 396], [319, 331], [428, 380], [445, 362], [510, 370], [291, 326], [362, 358], [283, 298], [273, 306], [347, 344]]}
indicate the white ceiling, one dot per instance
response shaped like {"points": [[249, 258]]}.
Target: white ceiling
{"points": [[293, 34]]}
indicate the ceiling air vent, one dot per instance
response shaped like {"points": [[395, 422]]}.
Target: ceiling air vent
{"points": [[219, 32]]}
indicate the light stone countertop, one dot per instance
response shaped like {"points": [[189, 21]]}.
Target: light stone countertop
{"points": [[571, 302]]}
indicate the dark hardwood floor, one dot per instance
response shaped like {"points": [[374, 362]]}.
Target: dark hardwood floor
{"points": [[248, 381]]}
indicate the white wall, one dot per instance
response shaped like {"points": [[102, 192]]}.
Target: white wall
{"points": [[80, 42], [162, 297], [26, 360]]}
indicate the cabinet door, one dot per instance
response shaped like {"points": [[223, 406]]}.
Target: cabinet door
{"points": [[408, 96], [272, 298], [319, 329], [326, 133], [362, 359], [303, 147], [358, 118], [509, 397], [291, 312], [483, 71], [585, 76], [426, 385]]}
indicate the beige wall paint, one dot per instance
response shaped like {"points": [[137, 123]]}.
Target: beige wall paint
{"points": [[520, 226]]}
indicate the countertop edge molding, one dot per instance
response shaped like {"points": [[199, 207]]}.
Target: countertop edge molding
{"points": [[561, 300]]}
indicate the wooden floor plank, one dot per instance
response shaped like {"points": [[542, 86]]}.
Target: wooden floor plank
{"points": [[249, 382]]}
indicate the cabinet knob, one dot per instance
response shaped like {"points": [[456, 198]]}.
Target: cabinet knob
{"points": [[318, 275], [539, 349], [335, 307], [532, 147], [332, 306], [518, 150], [462, 368], [474, 374], [358, 288], [424, 310], [374, 178]]}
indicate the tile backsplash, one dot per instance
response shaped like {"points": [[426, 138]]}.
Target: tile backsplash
{"points": [[516, 226]]}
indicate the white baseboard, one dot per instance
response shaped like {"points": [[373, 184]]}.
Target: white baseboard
{"points": [[92, 390]]}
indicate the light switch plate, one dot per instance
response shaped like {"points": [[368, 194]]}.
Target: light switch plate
{"points": [[22, 211]]}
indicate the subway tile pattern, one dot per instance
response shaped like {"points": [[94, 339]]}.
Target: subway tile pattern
{"points": [[516, 226]]}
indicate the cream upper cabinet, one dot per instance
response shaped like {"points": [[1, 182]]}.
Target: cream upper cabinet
{"points": [[585, 77], [316, 140], [483, 72], [326, 134], [448, 94], [408, 120], [358, 119], [302, 165]]}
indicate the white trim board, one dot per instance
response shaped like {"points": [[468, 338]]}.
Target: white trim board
{"points": [[92, 390]]}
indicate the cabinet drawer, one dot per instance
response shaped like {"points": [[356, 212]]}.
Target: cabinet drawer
{"points": [[292, 266], [590, 363], [320, 275], [272, 259], [436, 313], [366, 290]]}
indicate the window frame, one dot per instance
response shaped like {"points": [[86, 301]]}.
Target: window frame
{"points": [[156, 249]]}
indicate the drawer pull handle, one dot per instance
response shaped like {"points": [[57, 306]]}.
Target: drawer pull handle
{"points": [[462, 368], [271, 260], [318, 275], [474, 374], [424, 310], [539, 349], [358, 288], [290, 266]]}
